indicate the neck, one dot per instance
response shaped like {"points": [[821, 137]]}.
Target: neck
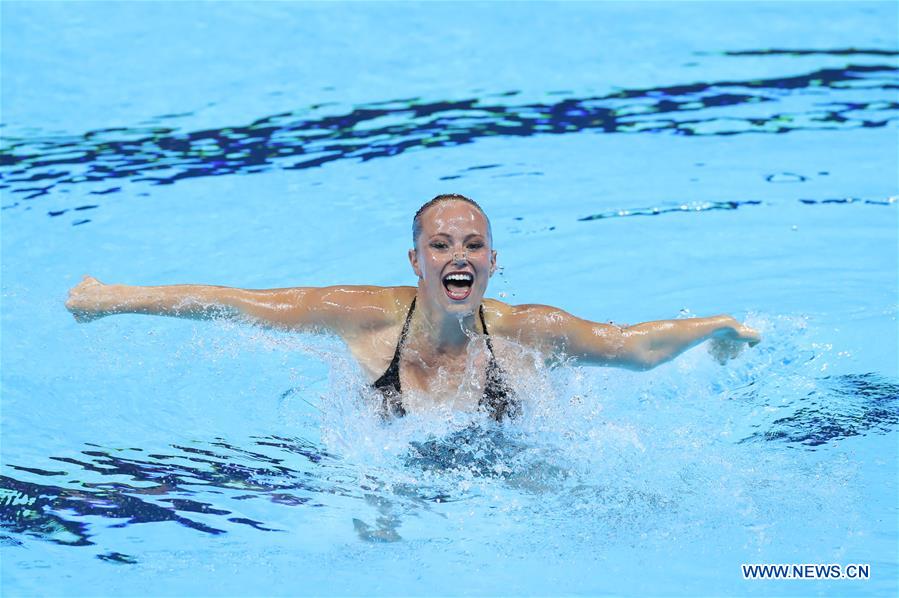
{"points": [[440, 332]]}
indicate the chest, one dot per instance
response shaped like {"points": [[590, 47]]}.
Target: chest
{"points": [[374, 350], [457, 381]]}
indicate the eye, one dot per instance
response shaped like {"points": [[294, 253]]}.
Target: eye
{"points": [[475, 245], [439, 245]]}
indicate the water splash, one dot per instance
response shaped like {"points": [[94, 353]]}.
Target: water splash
{"points": [[614, 453]]}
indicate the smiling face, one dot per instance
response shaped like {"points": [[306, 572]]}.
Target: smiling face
{"points": [[453, 257]]}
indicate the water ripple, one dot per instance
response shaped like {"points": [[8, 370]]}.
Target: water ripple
{"points": [[211, 479], [306, 138], [841, 407]]}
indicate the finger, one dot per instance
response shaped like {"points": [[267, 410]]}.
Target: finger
{"points": [[83, 317], [750, 334]]}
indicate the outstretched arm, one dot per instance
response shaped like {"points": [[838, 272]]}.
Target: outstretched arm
{"points": [[640, 347], [332, 309]]}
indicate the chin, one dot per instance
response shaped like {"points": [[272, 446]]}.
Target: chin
{"points": [[469, 305], [461, 308]]}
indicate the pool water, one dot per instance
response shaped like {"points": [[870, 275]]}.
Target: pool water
{"points": [[638, 161]]}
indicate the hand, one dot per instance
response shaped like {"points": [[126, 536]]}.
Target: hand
{"points": [[86, 300], [729, 342]]}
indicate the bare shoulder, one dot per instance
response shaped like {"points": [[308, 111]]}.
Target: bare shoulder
{"points": [[360, 296], [370, 305], [523, 322], [348, 309], [552, 330]]}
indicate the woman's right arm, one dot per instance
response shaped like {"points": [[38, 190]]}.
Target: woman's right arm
{"points": [[330, 309]]}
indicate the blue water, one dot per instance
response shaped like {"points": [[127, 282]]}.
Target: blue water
{"points": [[638, 161]]}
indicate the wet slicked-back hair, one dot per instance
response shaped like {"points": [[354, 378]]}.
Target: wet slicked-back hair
{"points": [[416, 221]]}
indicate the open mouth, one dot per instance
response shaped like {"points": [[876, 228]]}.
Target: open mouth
{"points": [[458, 285]]}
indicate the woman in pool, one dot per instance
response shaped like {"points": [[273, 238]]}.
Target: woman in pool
{"points": [[440, 344]]}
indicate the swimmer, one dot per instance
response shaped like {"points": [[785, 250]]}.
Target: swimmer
{"points": [[440, 343]]}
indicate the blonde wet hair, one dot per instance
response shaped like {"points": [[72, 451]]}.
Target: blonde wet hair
{"points": [[444, 197]]}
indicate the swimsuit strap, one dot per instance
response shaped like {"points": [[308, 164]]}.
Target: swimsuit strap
{"points": [[389, 382], [399, 344], [484, 326], [498, 398]]}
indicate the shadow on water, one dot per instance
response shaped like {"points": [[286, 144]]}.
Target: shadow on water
{"points": [[477, 450], [158, 485], [840, 407], [798, 52], [309, 138], [194, 486]]}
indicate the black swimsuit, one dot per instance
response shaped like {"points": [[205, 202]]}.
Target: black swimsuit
{"points": [[497, 399]]}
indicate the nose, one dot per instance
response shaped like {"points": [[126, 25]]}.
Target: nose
{"points": [[460, 256]]}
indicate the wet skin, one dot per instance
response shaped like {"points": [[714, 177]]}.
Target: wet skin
{"points": [[444, 357]]}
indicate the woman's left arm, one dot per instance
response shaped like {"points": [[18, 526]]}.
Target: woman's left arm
{"points": [[640, 347]]}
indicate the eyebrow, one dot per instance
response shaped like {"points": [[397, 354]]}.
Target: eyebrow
{"points": [[465, 238]]}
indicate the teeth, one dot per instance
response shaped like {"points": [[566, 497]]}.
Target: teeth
{"points": [[458, 277]]}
